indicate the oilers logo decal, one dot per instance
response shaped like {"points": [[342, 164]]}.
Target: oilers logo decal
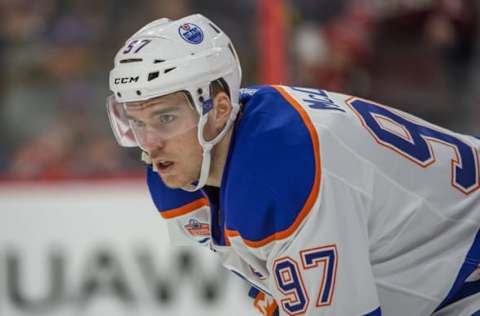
{"points": [[191, 33], [195, 228]]}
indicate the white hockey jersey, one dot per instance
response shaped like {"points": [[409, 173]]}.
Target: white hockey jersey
{"points": [[336, 205]]}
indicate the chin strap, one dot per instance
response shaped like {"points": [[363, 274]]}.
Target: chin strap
{"points": [[208, 145], [204, 171]]}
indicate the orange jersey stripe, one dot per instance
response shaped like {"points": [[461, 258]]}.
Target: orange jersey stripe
{"points": [[316, 184], [185, 209], [265, 310]]}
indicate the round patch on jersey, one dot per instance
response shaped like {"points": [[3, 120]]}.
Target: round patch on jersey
{"points": [[191, 33]]}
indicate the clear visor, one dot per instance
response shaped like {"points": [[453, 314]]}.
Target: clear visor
{"points": [[148, 123]]}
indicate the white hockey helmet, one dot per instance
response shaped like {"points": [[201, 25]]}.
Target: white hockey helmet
{"points": [[168, 56]]}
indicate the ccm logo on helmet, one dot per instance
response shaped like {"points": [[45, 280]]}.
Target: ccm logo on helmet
{"points": [[126, 80]]}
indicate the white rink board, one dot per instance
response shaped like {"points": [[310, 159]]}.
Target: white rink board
{"points": [[100, 249]]}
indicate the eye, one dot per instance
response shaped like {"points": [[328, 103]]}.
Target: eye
{"points": [[137, 123], [165, 118]]}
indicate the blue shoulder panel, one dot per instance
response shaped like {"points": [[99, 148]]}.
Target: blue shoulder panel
{"points": [[271, 170], [167, 199]]}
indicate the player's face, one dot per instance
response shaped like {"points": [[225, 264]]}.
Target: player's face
{"points": [[166, 128]]}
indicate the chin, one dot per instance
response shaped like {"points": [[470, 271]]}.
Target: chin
{"points": [[174, 182]]}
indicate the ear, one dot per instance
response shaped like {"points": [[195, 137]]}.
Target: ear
{"points": [[221, 110]]}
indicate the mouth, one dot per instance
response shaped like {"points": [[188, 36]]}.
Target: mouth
{"points": [[164, 166]]}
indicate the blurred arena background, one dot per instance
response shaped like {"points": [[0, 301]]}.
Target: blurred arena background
{"points": [[78, 233]]}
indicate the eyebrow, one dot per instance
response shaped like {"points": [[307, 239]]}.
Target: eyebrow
{"points": [[171, 108]]}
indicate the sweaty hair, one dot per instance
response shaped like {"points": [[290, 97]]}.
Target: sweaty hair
{"points": [[217, 86]]}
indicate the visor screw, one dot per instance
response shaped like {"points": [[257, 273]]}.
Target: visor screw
{"points": [[199, 91], [139, 92], [119, 94]]}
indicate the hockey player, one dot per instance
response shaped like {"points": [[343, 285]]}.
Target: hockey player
{"points": [[327, 204]]}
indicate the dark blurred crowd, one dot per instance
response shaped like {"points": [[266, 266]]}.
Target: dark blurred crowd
{"points": [[55, 55], [420, 56]]}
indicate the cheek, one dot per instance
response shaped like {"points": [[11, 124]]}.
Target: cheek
{"points": [[191, 149], [209, 132]]}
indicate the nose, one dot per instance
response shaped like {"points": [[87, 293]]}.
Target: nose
{"points": [[151, 141]]}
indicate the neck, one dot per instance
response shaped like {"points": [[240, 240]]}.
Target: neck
{"points": [[219, 159]]}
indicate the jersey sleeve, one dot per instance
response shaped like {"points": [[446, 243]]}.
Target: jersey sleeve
{"points": [[187, 213]]}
